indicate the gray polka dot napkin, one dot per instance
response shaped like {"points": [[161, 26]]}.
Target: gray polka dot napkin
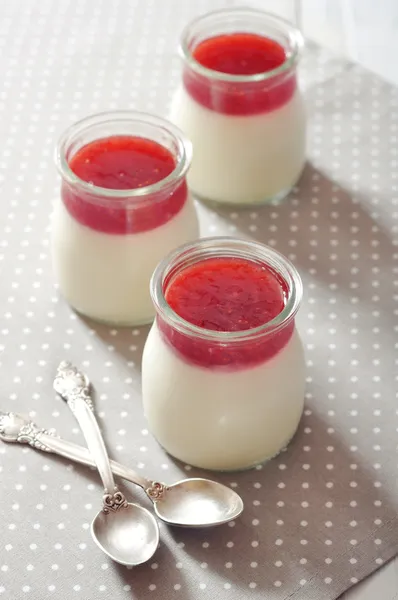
{"points": [[323, 515]]}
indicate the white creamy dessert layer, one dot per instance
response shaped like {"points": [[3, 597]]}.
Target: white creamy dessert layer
{"points": [[248, 159], [106, 276], [222, 419]]}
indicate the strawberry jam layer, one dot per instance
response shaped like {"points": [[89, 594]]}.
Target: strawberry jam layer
{"points": [[123, 163], [226, 295], [239, 54]]}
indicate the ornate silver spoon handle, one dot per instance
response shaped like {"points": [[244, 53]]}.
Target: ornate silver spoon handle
{"points": [[74, 387], [18, 429]]}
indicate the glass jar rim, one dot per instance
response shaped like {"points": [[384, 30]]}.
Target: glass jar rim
{"points": [[294, 35], [182, 165], [233, 247]]}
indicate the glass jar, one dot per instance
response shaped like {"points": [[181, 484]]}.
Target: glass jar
{"points": [[107, 240], [223, 400], [248, 130]]}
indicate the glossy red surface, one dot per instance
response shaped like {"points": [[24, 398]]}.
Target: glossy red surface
{"points": [[226, 295], [240, 54], [123, 163]]}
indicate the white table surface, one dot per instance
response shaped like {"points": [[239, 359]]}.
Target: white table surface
{"points": [[364, 31]]}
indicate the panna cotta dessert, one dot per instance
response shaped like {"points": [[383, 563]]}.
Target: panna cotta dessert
{"points": [[240, 105], [223, 372], [124, 204]]}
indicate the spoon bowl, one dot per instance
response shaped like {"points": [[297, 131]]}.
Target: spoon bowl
{"points": [[127, 533], [198, 502]]}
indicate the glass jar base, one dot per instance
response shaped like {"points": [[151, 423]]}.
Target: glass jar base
{"points": [[272, 201], [250, 467], [260, 463], [111, 323]]}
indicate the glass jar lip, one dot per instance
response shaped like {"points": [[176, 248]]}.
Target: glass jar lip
{"points": [[295, 38], [252, 250], [183, 144]]}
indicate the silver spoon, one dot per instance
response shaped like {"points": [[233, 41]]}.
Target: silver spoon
{"points": [[127, 533], [193, 502], [188, 503]]}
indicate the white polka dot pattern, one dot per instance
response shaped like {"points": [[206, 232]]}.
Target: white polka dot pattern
{"points": [[323, 515]]}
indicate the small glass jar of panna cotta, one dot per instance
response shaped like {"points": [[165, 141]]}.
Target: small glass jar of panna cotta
{"points": [[240, 105], [223, 372], [124, 204]]}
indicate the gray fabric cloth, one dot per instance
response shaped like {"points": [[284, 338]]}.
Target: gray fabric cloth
{"points": [[323, 515]]}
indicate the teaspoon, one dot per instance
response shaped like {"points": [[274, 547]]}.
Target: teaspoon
{"points": [[126, 532], [191, 502]]}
